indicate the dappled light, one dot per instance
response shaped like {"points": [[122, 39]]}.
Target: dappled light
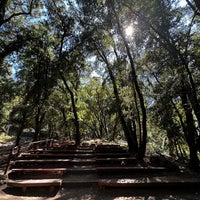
{"points": [[129, 30]]}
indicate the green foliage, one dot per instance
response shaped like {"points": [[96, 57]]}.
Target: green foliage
{"points": [[6, 138]]}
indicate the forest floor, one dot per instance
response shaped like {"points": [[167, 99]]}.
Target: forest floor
{"points": [[90, 192]]}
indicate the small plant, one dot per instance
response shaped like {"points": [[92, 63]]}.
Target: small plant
{"points": [[6, 138]]}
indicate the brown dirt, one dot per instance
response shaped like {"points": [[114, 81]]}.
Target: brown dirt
{"points": [[95, 193]]}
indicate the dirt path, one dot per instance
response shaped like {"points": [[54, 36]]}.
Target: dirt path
{"points": [[95, 193]]}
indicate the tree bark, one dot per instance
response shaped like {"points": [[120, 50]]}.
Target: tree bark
{"points": [[38, 123], [129, 134], [197, 3], [19, 132], [21, 128], [76, 120], [131, 140], [142, 147], [190, 131]]}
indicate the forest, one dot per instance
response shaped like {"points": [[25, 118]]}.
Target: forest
{"points": [[103, 69]]}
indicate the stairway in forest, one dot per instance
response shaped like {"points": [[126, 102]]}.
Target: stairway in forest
{"points": [[81, 170], [102, 165]]}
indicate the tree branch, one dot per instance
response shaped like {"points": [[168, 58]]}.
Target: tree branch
{"points": [[197, 3], [196, 7], [3, 21], [191, 5]]}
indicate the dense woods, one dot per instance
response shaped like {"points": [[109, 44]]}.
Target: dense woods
{"points": [[103, 69]]}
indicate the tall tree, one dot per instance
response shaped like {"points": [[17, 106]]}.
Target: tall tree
{"points": [[176, 47], [12, 15]]}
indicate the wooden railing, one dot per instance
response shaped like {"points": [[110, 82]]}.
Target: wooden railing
{"points": [[15, 151]]}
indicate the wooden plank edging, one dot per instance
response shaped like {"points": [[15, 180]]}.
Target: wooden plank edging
{"points": [[51, 183], [47, 170]]}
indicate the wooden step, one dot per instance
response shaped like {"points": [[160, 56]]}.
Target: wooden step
{"points": [[55, 155], [42, 160], [82, 170], [46, 156], [83, 162], [121, 161], [60, 171], [51, 162], [110, 149], [61, 151], [80, 180], [123, 169], [30, 163], [108, 146], [90, 147], [24, 184], [112, 155], [84, 156]]}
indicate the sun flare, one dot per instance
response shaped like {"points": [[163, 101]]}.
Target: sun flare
{"points": [[129, 30]]}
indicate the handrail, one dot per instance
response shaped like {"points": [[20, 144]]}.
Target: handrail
{"points": [[15, 151], [47, 143]]}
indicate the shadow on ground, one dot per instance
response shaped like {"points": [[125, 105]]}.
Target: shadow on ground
{"points": [[31, 192], [94, 193]]}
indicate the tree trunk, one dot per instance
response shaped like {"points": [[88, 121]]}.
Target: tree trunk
{"points": [[190, 132], [128, 134], [168, 43], [37, 129], [76, 120], [19, 132], [197, 3], [132, 142], [65, 120], [142, 147], [21, 128], [38, 123]]}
